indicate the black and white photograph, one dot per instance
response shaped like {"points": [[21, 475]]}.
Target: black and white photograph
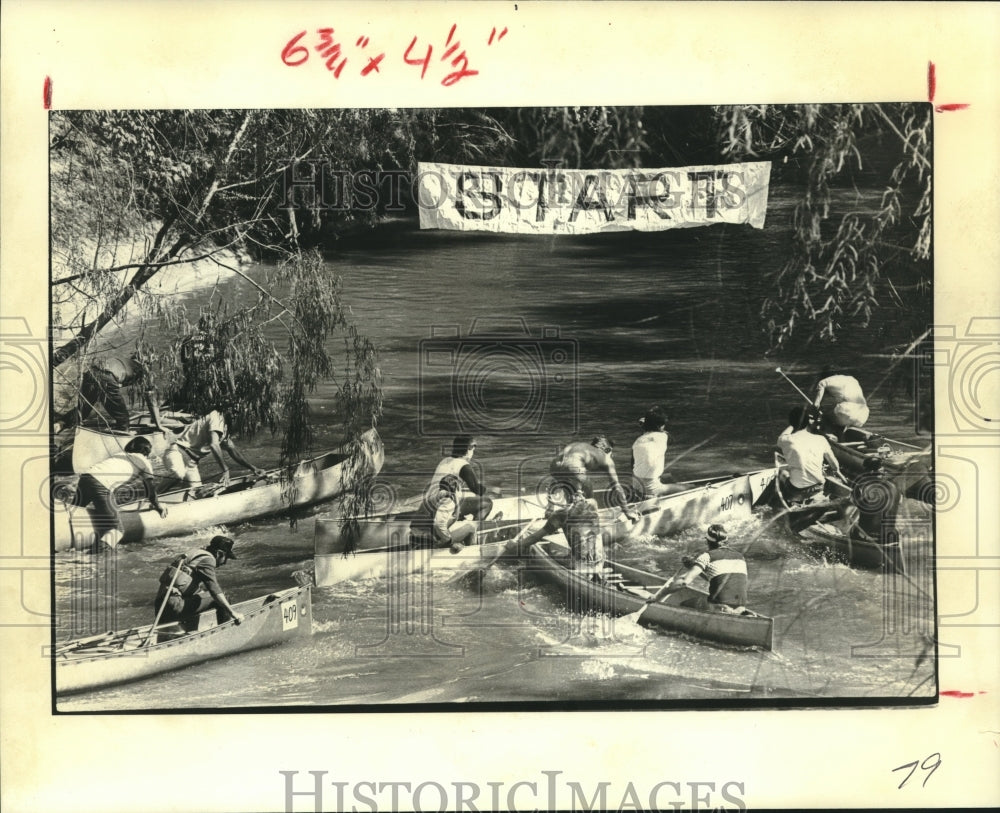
{"points": [[499, 406], [543, 406]]}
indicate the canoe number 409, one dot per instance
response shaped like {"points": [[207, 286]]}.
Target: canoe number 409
{"points": [[289, 615]]}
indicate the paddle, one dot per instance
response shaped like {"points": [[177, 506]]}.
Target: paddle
{"points": [[502, 546], [666, 587], [159, 612], [796, 386]]}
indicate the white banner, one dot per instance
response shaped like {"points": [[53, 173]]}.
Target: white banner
{"points": [[580, 201]]}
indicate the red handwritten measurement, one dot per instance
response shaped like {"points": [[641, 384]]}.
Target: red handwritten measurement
{"points": [[337, 52]]}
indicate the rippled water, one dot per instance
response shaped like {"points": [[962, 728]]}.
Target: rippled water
{"points": [[633, 319]]}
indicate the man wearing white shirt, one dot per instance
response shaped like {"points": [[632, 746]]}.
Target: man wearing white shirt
{"points": [[805, 454]]}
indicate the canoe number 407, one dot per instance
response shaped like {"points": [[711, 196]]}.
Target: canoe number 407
{"points": [[727, 502], [289, 615]]}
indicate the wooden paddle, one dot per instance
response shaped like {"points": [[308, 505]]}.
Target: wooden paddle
{"points": [[664, 589], [484, 565], [166, 597], [796, 386]]}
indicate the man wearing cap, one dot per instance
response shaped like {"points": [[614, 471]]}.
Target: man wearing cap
{"points": [[189, 586], [725, 569], [572, 467], [877, 500]]}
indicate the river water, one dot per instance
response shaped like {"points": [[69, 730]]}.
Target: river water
{"points": [[529, 342]]}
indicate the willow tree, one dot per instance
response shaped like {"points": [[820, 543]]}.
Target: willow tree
{"points": [[135, 193], [849, 256]]}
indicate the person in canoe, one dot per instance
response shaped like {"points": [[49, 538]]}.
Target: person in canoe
{"points": [[189, 586], [649, 456], [582, 526], [580, 522], [841, 401], [97, 486], [725, 569], [445, 522], [876, 499], [806, 453], [205, 434], [572, 468], [101, 388], [475, 497]]}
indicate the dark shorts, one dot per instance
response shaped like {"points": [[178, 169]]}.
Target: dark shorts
{"points": [[187, 609], [104, 513], [479, 507]]}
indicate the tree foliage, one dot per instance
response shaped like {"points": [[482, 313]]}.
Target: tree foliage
{"points": [[849, 256], [134, 193]]}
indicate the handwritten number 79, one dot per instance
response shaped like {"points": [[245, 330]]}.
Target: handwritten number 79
{"points": [[930, 764]]}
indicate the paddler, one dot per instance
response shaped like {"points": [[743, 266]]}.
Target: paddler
{"points": [[841, 401], [876, 499], [649, 456], [725, 569], [101, 387], [474, 496], [805, 452], [450, 526], [97, 486], [189, 586], [573, 466], [205, 434]]}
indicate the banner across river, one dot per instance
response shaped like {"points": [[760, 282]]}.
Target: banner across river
{"points": [[581, 201]]}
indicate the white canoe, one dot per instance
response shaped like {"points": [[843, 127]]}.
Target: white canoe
{"points": [[119, 657], [311, 481], [729, 498]]}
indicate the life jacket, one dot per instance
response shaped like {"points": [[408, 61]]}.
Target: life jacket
{"points": [[583, 532], [449, 465], [727, 576], [181, 566]]}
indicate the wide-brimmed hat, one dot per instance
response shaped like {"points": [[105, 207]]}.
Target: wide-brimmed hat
{"points": [[223, 543]]}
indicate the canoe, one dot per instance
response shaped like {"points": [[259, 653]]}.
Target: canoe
{"points": [[399, 557], [89, 445], [119, 657], [391, 529], [856, 553], [626, 589], [381, 543], [912, 469], [723, 499], [309, 482]]}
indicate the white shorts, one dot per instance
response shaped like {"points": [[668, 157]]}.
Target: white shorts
{"points": [[848, 413], [182, 466]]}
